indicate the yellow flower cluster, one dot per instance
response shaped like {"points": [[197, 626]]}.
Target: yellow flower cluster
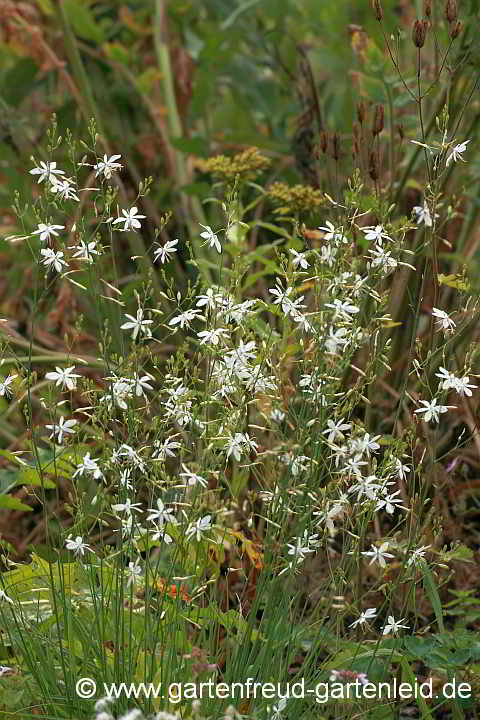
{"points": [[247, 164], [295, 198]]}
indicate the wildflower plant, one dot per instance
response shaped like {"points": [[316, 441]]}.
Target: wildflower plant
{"points": [[240, 467]]}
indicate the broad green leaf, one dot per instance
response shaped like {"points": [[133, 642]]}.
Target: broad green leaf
{"points": [[7, 502], [83, 22]]}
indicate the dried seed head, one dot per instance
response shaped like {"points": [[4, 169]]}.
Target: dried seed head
{"points": [[356, 130], [456, 29], [323, 142], [373, 166], [377, 9], [361, 112], [451, 10], [378, 120], [401, 132], [427, 8], [336, 146], [419, 32]]}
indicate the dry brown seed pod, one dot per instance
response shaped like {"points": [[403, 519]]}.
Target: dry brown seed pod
{"points": [[419, 32], [377, 9], [456, 29], [451, 10], [378, 120]]}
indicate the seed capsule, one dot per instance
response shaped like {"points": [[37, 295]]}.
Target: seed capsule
{"points": [[378, 120], [377, 9], [456, 29], [451, 10], [419, 33]]}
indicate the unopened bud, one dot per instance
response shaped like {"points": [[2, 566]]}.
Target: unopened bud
{"points": [[373, 166], [378, 120], [377, 9], [451, 10], [336, 146], [361, 112], [456, 29], [427, 8], [419, 33]]}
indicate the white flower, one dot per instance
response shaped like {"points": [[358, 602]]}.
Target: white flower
{"points": [[390, 503], [432, 410], [375, 233], [210, 237], [198, 528], [277, 415], [134, 570], [299, 259], [163, 252], [64, 377], [364, 617], [443, 321], [161, 515], [137, 324], [332, 233], [130, 219], [85, 251], [165, 449], [336, 339], [393, 625], [65, 189], [378, 554], [423, 214], [77, 545], [343, 309], [5, 389], [457, 153], [89, 465], [450, 381], [4, 596], [52, 259], [192, 478], [238, 444], [127, 507], [383, 259], [46, 170], [185, 318], [107, 166], [335, 429], [417, 556], [64, 427], [276, 712], [212, 336], [45, 231]]}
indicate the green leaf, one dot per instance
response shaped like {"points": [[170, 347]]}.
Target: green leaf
{"points": [[433, 596], [7, 502], [83, 22], [19, 81]]}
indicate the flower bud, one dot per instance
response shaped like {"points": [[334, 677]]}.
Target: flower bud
{"points": [[456, 29], [451, 10], [419, 33], [427, 8], [377, 9], [378, 120]]}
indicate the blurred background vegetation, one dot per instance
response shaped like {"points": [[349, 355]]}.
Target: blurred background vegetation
{"points": [[171, 83]]}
